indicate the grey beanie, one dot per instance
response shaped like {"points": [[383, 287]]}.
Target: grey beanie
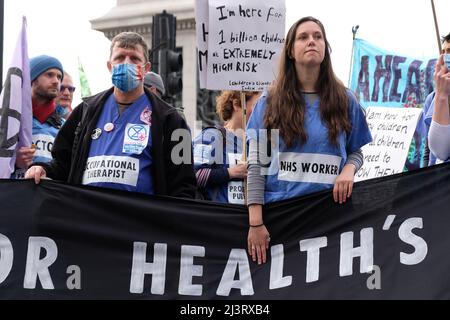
{"points": [[154, 80]]}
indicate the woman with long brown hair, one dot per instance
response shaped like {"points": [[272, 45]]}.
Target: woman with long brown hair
{"points": [[321, 129]]}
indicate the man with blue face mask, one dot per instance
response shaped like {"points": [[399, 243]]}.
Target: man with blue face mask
{"points": [[122, 138]]}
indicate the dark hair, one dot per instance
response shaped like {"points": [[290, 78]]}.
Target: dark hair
{"points": [[286, 107], [129, 40], [446, 38], [224, 102]]}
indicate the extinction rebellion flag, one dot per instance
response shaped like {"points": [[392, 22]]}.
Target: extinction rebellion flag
{"points": [[15, 106]]}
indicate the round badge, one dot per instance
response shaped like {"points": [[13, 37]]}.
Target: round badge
{"points": [[109, 127], [96, 134]]}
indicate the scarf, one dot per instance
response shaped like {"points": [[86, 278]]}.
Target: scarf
{"points": [[43, 111]]}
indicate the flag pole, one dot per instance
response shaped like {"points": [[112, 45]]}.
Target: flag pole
{"points": [[244, 138], [2, 25], [436, 26], [354, 31], [244, 125]]}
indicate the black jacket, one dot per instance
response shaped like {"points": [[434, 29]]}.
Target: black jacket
{"points": [[72, 144]]}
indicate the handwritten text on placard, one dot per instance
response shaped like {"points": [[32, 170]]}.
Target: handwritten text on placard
{"points": [[392, 130]]}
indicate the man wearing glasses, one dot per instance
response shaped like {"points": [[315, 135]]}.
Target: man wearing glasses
{"points": [[46, 75], [65, 97]]}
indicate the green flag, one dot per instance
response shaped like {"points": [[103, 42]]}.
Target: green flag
{"points": [[85, 90]]}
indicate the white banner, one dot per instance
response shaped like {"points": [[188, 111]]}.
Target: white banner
{"points": [[244, 41], [201, 26], [392, 131]]}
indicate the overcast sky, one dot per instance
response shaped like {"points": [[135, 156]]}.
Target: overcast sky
{"points": [[61, 28], [405, 27]]}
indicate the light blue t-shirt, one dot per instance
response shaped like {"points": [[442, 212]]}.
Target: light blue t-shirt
{"points": [[120, 152], [311, 167], [43, 137]]}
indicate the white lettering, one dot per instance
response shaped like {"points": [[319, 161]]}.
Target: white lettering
{"points": [[6, 257], [312, 247], [237, 261], [277, 280], [140, 268], [188, 270], [39, 268], [348, 252], [406, 235]]}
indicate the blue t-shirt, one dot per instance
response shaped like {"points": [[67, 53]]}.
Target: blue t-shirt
{"points": [[120, 152], [314, 166], [209, 152]]}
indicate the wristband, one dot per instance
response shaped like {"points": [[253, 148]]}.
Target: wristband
{"points": [[256, 225]]}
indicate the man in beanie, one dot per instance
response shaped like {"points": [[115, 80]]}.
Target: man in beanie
{"points": [[46, 74], [154, 83], [124, 138]]}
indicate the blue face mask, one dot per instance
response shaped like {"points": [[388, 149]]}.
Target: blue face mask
{"points": [[127, 76]]}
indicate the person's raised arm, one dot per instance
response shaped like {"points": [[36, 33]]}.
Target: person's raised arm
{"points": [[441, 113], [439, 135]]}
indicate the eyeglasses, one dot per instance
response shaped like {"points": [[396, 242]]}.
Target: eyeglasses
{"points": [[70, 88]]}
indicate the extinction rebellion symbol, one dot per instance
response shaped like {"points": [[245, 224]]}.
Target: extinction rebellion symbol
{"points": [[137, 133]]}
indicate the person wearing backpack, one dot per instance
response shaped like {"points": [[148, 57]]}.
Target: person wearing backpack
{"points": [[218, 163]]}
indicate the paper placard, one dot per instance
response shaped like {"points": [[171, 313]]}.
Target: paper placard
{"points": [[244, 41], [392, 131]]}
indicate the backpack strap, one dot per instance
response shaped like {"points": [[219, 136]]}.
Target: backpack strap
{"points": [[222, 130]]}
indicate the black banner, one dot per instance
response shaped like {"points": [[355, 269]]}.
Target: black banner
{"points": [[390, 241]]}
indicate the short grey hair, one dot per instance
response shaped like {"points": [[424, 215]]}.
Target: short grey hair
{"points": [[129, 40]]}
